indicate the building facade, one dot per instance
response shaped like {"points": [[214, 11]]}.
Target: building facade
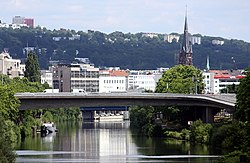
{"points": [[217, 80], [208, 81], [47, 77], [170, 38], [67, 77], [113, 81], [11, 67], [143, 80], [195, 40], [84, 76], [61, 77], [19, 20]]}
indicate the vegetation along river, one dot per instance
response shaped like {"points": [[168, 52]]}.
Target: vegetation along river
{"points": [[107, 142]]}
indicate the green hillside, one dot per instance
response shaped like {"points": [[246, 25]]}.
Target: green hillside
{"points": [[127, 50]]}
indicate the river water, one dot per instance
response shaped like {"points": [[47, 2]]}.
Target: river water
{"points": [[107, 142]]}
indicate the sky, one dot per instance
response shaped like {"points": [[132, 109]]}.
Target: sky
{"points": [[229, 19]]}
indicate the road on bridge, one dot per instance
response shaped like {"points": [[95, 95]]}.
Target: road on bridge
{"points": [[67, 99]]}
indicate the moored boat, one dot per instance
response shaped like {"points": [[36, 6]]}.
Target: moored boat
{"points": [[47, 128]]}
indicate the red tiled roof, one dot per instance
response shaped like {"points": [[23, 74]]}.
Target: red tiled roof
{"points": [[118, 73], [227, 74]]}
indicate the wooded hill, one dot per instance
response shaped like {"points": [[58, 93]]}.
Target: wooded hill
{"points": [[126, 50]]}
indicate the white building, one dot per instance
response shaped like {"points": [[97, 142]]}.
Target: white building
{"points": [[217, 80], [14, 26], [11, 67], [18, 20], [113, 81], [143, 79], [209, 82], [170, 38], [217, 42], [195, 40], [47, 76], [151, 35]]}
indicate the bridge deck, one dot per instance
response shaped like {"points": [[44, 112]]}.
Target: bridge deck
{"points": [[62, 100]]}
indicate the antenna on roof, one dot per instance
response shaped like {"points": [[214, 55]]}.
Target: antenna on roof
{"points": [[235, 66]]}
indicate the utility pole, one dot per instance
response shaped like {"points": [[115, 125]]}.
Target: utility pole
{"points": [[194, 78]]}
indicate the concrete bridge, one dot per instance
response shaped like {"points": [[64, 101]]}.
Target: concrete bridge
{"points": [[66, 100]]}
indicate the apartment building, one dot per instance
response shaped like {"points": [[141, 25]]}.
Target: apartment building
{"points": [[216, 80], [84, 76], [11, 67], [208, 80], [22, 20]]}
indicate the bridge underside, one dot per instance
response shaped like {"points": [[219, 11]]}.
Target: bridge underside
{"points": [[103, 108], [206, 104]]}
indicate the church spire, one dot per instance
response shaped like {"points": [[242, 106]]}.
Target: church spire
{"points": [[185, 56], [208, 65]]}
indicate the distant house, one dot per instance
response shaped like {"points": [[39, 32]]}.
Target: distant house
{"points": [[217, 42], [170, 38], [151, 35]]}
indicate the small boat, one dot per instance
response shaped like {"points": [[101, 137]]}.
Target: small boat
{"points": [[48, 128]]}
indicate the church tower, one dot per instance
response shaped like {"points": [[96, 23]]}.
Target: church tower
{"points": [[185, 55]]}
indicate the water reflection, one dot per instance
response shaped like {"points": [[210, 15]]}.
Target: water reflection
{"points": [[106, 142]]}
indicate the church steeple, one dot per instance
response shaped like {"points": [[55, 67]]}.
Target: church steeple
{"points": [[208, 65], [185, 55]]}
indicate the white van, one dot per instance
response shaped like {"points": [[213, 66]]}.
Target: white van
{"points": [[78, 91], [51, 91]]}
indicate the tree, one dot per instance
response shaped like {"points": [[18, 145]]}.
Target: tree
{"points": [[32, 67], [8, 103], [9, 132], [243, 98], [6, 150], [181, 79]]}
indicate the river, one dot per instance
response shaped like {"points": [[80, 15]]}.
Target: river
{"points": [[107, 142]]}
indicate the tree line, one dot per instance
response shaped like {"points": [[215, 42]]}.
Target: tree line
{"points": [[126, 50]]}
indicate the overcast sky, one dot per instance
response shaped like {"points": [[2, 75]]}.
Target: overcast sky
{"points": [[224, 18]]}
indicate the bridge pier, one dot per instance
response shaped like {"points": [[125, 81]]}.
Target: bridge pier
{"points": [[207, 115], [88, 115]]}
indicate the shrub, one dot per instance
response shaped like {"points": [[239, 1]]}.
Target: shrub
{"points": [[185, 134], [231, 137], [199, 132], [173, 134]]}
